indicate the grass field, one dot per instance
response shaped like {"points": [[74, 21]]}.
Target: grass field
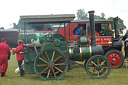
{"points": [[77, 76]]}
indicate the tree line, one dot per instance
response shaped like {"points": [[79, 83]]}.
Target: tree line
{"points": [[81, 15]]}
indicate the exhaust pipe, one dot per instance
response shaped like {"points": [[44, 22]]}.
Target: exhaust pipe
{"points": [[96, 49], [92, 28], [116, 27]]}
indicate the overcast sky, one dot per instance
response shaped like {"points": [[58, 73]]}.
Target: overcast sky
{"points": [[11, 10]]}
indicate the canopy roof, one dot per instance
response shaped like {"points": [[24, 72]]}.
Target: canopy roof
{"points": [[47, 18], [96, 21]]}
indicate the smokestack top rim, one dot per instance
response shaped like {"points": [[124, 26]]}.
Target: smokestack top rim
{"points": [[116, 18], [91, 12]]}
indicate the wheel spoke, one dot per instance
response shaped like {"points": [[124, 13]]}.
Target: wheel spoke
{"points": [[53, 72], [98, 74], [58, 69], [102, 62], [44, 70], [48, 73], [43, 60], [98, 61], [60, 64], [102, 71], [57, 58], [93, 63], [94, 71], [91, 67], [104, 67], [53, 56], [47, 56], [42, 65]]}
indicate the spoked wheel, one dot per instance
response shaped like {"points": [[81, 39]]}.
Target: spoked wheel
{"points": [[98, 67], [115, 58], [50, 64]]}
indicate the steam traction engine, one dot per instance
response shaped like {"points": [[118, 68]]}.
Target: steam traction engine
{"points": [[110, 41], [52, 62]]}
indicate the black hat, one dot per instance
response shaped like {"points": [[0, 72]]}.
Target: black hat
{"points": [[3, 39]]}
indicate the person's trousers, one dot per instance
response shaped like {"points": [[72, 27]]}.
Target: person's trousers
{"points": [[3, 64], [21, 68], [126, 49]]}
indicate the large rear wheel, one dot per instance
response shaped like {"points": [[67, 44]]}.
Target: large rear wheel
{"points": [[115, 58], [50, 64]]}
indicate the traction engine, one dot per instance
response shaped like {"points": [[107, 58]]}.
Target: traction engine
{"points": [[52, 62]]}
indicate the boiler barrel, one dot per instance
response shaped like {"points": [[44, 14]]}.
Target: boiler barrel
{"points": [[80, 53]]}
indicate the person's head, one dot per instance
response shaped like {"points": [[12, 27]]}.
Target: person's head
{"points": [[3, 40], [20, 42], [109, 27], [121, 30], [81, 27]]}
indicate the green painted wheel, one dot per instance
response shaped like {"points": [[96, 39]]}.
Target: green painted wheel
{"points": [[98, 67], [50, 64]]}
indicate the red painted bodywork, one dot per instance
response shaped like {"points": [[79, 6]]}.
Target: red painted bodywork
{"points": [[100, 40], [103, 40], [72, 36]]}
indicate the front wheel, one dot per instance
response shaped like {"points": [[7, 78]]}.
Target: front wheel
{"points": [[115, 58], [98, 67]]}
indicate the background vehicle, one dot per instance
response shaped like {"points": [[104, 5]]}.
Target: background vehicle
{"points": [[11, 37], [35, 37], [50, 59]]}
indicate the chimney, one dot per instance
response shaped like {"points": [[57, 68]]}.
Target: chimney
{"points": [[92, 28], [116, 27]]}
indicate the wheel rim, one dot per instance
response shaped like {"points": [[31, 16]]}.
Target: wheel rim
{"points": [[50, 64], [98, 67], [114, 59]]}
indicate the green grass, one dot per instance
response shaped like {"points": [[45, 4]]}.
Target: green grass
{"points": [[77, 76]]}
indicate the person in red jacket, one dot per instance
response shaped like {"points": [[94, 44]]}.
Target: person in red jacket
{"points": [[4, 56], [19, 56]]}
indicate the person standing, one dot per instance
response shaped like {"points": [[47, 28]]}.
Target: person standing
{"points": [[124, 37], [4, 56], [20, 56]]}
